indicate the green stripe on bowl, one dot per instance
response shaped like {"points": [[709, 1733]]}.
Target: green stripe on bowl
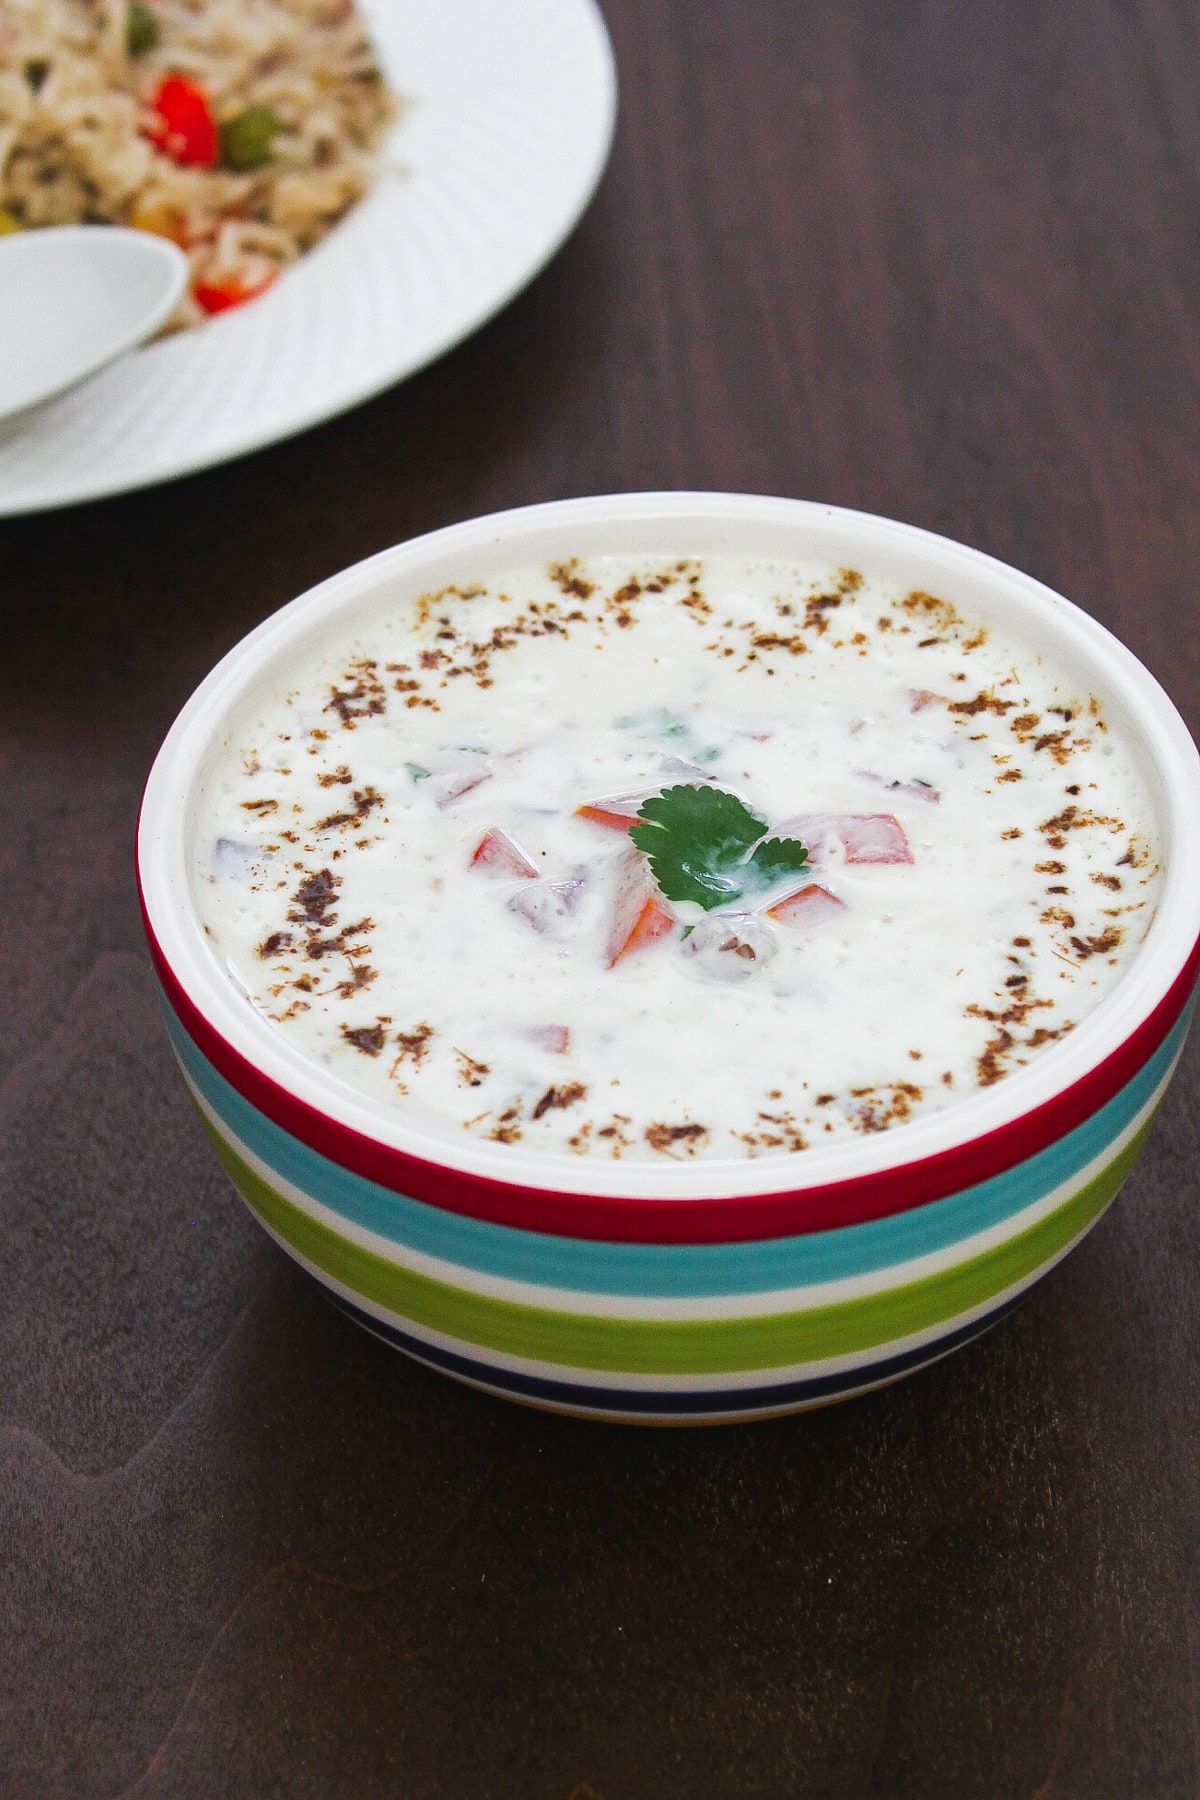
{"points": [[677, 1346]]}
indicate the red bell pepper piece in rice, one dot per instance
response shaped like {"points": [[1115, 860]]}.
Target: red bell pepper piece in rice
{"points": [[496, 854], [181, 123], [639, 916], [246, 282]]}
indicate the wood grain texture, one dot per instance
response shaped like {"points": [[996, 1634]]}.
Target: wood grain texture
{"points": [[927, 258]]}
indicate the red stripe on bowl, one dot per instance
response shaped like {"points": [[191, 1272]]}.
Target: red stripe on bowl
{"points": [[737, 1219]]}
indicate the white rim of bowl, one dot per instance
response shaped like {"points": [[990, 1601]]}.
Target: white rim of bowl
{"points": [[534, 533]]}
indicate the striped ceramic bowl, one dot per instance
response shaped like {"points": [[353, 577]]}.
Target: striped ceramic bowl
{"points": [[710, 1290]]}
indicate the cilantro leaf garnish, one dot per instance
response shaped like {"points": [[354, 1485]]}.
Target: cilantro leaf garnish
{"points": [[707, 846], [776, 857]]}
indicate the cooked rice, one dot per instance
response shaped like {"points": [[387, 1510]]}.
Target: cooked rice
{"points": [[74, 106]]}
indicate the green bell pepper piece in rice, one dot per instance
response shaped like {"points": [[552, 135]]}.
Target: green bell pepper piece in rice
{"points": [[248, 138]]}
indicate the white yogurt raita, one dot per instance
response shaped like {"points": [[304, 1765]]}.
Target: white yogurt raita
{"points": [[416, 862]]}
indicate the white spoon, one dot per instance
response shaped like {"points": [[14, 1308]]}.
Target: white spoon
{"points": [[75, 296]]}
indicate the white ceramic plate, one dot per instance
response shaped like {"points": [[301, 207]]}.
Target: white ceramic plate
{"points": [[513, 104]]}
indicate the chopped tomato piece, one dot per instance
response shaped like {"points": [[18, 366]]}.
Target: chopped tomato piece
{"points": [[617, 814], [809, 906], [554, 1038], [606, 816], [874, 838], [639, 917], [863, 837], [181, 123], [235, 290], [496, 854], [651, 922]]}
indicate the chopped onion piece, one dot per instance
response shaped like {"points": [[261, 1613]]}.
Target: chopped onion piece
{"points": [[549, 906], [729, 947], [448, 780]]}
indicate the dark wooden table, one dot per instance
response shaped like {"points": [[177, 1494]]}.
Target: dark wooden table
{"points": [[929, 258]]}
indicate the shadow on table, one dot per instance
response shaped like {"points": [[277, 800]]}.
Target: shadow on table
{"points": [[306, 1565]]}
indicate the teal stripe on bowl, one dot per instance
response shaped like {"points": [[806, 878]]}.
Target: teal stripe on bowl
{"points": [[673, 1270], [558, 1339]]}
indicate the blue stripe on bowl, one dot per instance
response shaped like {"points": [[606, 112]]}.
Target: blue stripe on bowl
{"points": [[672, 1270]]}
